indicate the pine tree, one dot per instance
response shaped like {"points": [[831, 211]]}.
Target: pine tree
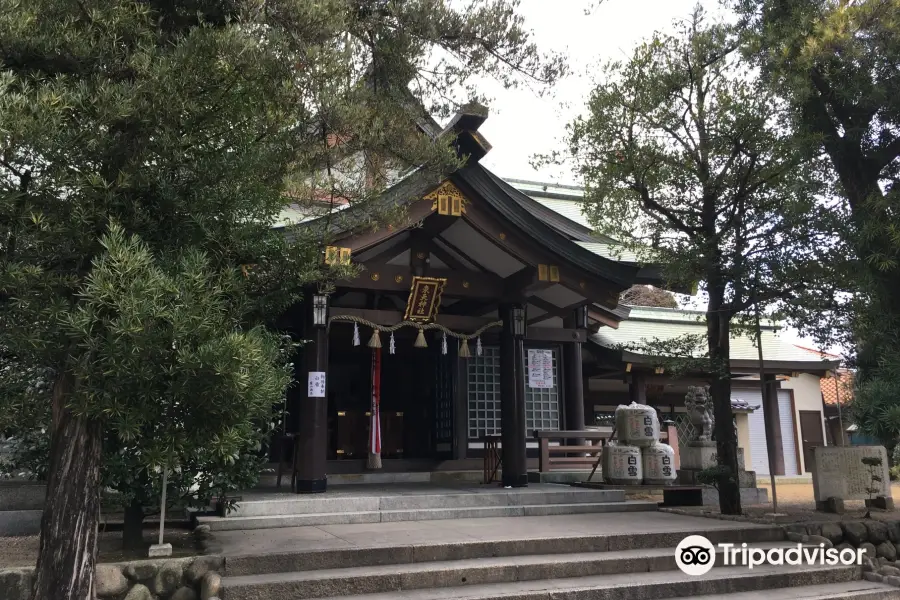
{"points": [[190, 124]]}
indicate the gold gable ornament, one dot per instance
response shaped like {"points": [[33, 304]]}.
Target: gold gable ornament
{"points": [[448, 200], [335, 255]]}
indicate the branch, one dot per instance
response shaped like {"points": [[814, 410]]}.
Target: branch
{"points": [[767, 296], [14, 170], [886, 154], [649, 204]]}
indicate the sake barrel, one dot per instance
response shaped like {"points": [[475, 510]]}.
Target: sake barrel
{"points": [[622, 464], [637, 424], [658, 461]]}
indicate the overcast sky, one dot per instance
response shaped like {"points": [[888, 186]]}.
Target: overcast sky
{"points": [[521, 123]]}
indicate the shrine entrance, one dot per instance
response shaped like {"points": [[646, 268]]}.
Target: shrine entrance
{"points": [[413, 383]]}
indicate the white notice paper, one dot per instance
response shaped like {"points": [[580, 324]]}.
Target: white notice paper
{"points": [[316, 386], [540, 368]]}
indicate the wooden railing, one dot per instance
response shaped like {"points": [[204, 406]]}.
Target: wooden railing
{"points": [[493, 459], [584, 447]]}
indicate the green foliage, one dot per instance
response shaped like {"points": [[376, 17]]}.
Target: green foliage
{"points": [[169, 370], [713, 475], [148, 151], [685, 157], [837, 64]]}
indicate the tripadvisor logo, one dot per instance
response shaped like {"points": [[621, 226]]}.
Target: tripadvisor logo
{"points": [[696, 555]]}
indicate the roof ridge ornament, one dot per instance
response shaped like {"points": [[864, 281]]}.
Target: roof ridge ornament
{"points": [[464, 125]]}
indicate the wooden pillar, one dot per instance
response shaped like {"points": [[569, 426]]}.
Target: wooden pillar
{"points": [[637, 388], [312, 435], [574, 379], [773, 426], [512, 403], [461, 408]]}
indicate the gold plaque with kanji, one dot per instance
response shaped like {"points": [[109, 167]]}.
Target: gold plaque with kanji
{"points": [[424, 299]]}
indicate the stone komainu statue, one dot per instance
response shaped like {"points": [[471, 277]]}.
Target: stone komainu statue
{"points": [[700, 411]]}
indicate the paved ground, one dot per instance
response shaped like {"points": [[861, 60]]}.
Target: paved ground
{"points": [[357, 490], [802, 493], [456, 530], [796, 504]]}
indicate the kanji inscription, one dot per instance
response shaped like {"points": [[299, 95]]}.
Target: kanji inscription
{"points": [[838, 472]]}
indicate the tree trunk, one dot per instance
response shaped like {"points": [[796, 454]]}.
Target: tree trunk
{"points": [[133, 530], [68, 548], [718, 328]]}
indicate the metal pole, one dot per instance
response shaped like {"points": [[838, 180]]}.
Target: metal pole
{"points": [[162, 507], [762, 387]]}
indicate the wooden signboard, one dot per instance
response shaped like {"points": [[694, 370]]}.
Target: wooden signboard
{"points": [[424, 299]]}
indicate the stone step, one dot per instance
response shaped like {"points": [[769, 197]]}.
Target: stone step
{"points": [[850, 590], [422, 514], [396, 556], [455, 573], [622, 586], [290, 504]]}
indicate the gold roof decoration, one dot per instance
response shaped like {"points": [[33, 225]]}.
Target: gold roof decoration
{"points": [[448, 200]]}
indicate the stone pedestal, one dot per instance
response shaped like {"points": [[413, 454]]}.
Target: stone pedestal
{"points": [[702, 455], [697, 456]]}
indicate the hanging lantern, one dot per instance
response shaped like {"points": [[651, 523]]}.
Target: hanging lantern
{"points": [[393, 346], [464, 349], [355, 334], [478, 346], [375, 340], [444, 344], [420, 340]]}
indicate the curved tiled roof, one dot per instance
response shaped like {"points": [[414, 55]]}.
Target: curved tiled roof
{"points": [[651, 323]]}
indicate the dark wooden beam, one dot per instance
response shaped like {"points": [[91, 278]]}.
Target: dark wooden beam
{"points": [[547, 334], [361, 241], [389, 253], [418, 253], [603, 319], [390, 317], [398, 278], [524, 283], [551, 310], [435, 224], [447, 258], [470, 306]]}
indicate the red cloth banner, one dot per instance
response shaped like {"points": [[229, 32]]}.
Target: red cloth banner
{"points": [[375, 429]]}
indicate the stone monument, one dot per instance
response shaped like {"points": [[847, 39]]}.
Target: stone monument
{"points": [[699, 452], [839, 473]]}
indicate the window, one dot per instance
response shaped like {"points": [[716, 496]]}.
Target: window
{"points": [[541, 405], [484, 393]]}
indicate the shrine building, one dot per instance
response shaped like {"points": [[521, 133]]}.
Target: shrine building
{"points": [[486, 316], [466, 322]]}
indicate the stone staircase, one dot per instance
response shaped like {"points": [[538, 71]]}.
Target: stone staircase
{"points": [[639, 566], [429, 503]]}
